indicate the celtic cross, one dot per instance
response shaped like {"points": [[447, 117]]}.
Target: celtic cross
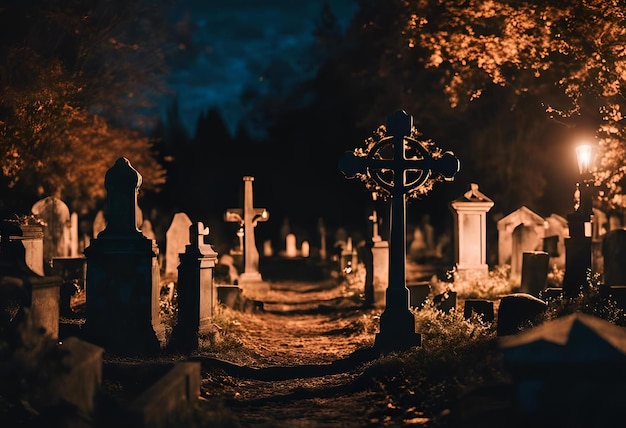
{"points": [[398, 164]]}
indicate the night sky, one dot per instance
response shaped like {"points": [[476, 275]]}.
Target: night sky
{"points": [[232, 44]]}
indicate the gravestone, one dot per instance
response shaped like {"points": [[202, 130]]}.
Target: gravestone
{"points": [[517, 312], [305, 249], [481, 307], [195, 290], [290, 245], [99, 223], [74, 235], [380, 256], [147, 230], [57, 227], [268, 251], [387, 165], [322, 230], [248, 217], [614, 254], [470, 231], [20, 285], [554, 239], [123, 274], [176, 239], [535, 267], [522, 230]]}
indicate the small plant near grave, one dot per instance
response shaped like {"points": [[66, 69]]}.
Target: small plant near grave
{"points": [[590, 301], [472, 285], [456, 355]]}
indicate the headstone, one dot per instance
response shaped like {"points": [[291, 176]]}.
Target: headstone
{"points": [[529, 230], [470, 231], [365, 253], [517, 312], [248, 217], [481, 307], [176, 239], [228, 260], [446, 301], [397, 323], [74, 235], [535, 268], [20, 284], [554, 239], [568, 369], [123, 280], [614, 253], [195, 290], [57, 229], [99, 223], [147, 230], [305, 249], [290, 246], [380, 255], [418, 294], [268, 251], [322, 229]]}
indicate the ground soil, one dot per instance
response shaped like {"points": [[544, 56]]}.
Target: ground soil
{"points": [[299, 359]]}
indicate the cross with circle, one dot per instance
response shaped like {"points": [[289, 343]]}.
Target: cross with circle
{"points": [[398, 164]]}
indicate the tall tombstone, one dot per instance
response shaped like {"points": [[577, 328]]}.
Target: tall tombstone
{"points": [[470, 230], [99, 224], [291, 250], [248, 217], [522, 230], [196, 296], [57, 230], [74, 234], [176, 239], [556, 230], [398, 164], [123, 274]]}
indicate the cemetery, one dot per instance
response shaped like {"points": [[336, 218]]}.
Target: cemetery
{"points": [[120, 333], [326, 274]]}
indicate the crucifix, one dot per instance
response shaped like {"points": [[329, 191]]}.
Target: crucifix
{"points": [[398, 164], [247, 218]]}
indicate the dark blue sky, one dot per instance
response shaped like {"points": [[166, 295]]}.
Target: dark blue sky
{"points": [[233, 43]]}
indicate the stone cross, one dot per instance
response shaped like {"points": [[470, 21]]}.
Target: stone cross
{"points": [[248, 217], [397, 323]]}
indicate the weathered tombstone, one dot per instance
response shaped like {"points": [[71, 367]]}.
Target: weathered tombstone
{"points": [[229, 261], [20, 284], [481, 307], [195, 290], [522, 230], [57, 230], [554, 239], [446, 301], [535, 266], [470, 231], [147, 230], [176, 238], [387, 165], [74, 235], [99, 224], [268, 251], [568, 369], [614, 253], [248, 217], [418, 294], [380, 255], [123, 274], [290, 246], [305, 249], [517, 312]]}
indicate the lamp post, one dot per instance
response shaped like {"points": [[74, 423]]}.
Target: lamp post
{"points": [[578, 250]]}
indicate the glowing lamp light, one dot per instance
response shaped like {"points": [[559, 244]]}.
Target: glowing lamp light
{"points": [[585, 154]]}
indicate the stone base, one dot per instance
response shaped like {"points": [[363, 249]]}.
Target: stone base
{"points": [[397, 332], [252, 284]]}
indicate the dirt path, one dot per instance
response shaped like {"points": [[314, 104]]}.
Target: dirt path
{"points": [[296, 365]]}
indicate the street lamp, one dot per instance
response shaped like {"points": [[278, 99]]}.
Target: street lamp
{"points": [[578, 250]]}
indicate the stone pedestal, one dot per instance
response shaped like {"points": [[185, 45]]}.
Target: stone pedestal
{"points": [[123, 276], [470, 231], [196, 297], [19, 250]]}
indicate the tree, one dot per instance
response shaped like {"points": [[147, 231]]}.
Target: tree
{"points": [[570, 54], [74, 76]]}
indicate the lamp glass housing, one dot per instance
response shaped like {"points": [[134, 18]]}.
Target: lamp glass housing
{"points": [[585, 154]]}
